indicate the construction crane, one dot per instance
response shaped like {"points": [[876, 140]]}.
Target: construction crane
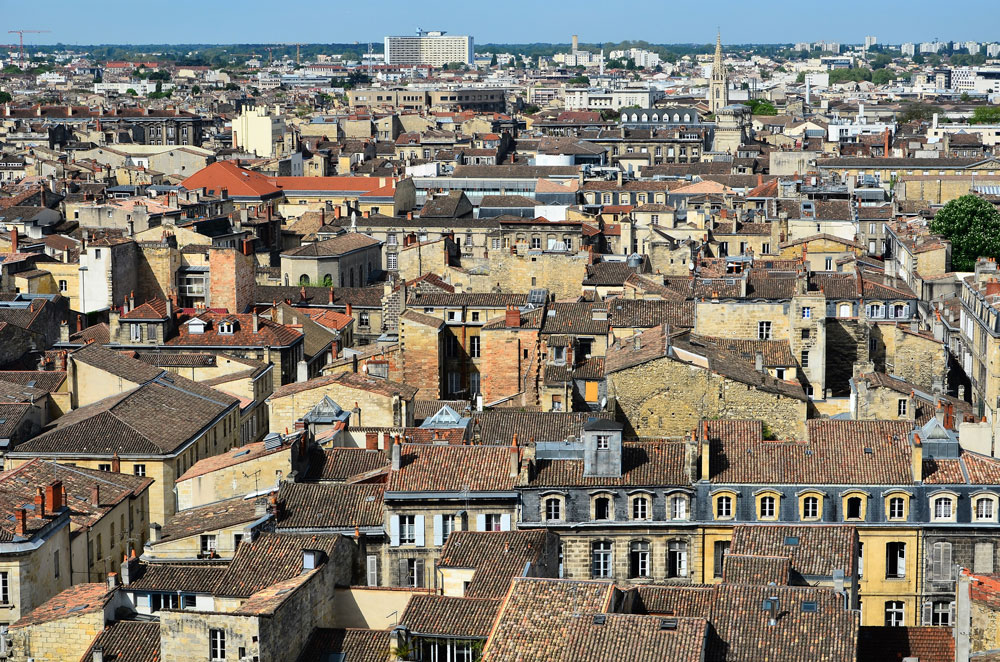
{"points": [[20, 34], [270, 55], [298, 58]]}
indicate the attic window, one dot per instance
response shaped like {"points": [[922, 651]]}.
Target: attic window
{"points": [[226, 328], [791, 540], [810, 607]]}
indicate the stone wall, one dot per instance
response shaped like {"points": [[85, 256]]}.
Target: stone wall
{"points": [[157, 269], [846, 345], [578, 563], [510, 363], [915, 358], [560, 273], [421, 357], [61, 640], [667, 398], [233, 279]]}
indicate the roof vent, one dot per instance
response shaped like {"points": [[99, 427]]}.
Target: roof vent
{"points": [[810, 607], [791, 540], [600, 619], [668, 623], [868, 450]]}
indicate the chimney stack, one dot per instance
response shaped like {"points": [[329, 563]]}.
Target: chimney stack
{"points": [[513, 317], [21, 523], [397, 454], [53, 496], [40, 502], [116, 464], [758, 361], [95, 494], [13, 240]]}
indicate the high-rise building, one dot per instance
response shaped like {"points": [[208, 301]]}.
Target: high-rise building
{"points": [[870, 41], [718, 86], [908, 50], [434, 48], [992, 50]]}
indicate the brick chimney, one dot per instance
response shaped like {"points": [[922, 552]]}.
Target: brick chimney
{"points": [[513, 317], [116, 464], [21, 522], [13, 240], [40, 501], [95, 494], [53, 495]]}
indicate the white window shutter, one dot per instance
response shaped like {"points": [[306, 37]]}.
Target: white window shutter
{"points": [[394, 531], [505, 522], [438, 530], [372, 570], [480, 522], [927, 613], [418, 525]]}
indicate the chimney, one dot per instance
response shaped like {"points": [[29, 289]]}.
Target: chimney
{"points": [[758, 362], [397, 454], [112, 581], [302, 371], [705, 452], [917, 459], [390, 441], [154, 532], [95, 494], [256, 321], [13, 240], [515, 458], [116, 464], [513, 317], [40, 502], [53, 495], [760, 179], [21, 523], [348, 309], [409, 215], [336, 212]]}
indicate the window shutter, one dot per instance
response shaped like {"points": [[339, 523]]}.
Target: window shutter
{"points": [[951, 613], [419, 571], [505, 522], [372, 570], [936, 561], [927, 613], [891, 311], [403, 576], [946, 561], [901, 571], [418, 526], [438, 530], [480, 522], [906, 310], [682, 562], [394, 531]]}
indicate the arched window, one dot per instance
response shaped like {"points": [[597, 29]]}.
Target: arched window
{"points": [[845, 310], [853, 510], [602, 508], [553, 509], [687, 117], [810, 507], [638, 559], [678, 507], [897, 508], [645, 117], [943, 507], [724, 507], [677, 118], [985, 508], [635, 117], [304, 280], [768, 507]]}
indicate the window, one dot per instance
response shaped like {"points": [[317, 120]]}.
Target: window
{"points": [[55, 563], [474, 347], [493, 522], [894, 613], [208, 544], [138, 469], [853, 508], [135, 332], [447, 526], [4, 588], [407, 530], [536, 243], [678, 507], [943, 508], [810, 507], [475, 316], [638, 559], [237, 539], [721, 549], [897, 508], [602, 508], [391, 261], [601, 557], [901, 407], [940, 613], [763, 330], [806, 312], [63, 286], [216, 644], [895, 560], [829, 264], [391, 239], [363, 318], [804, 358], [371, 569], [677, 558], [553, 509], [861, 560], [767, 507], [412, 572], [603, 442], [844, 310], [985, 509], [104, 467], [805, 334], [640, 508], [454, 382], [941, 569], [724, 507]]}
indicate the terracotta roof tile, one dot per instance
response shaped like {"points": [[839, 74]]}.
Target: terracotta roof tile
{"points": [[438, 615], [496, 556], [329, 506], [128, 641]]}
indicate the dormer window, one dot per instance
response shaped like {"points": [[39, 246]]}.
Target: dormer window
{"points": [[226, 327], [196, 326], [603, 442]]}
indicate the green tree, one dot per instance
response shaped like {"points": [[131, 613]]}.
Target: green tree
{"points": [[232, 86], [531, 109], [882, 76], [5, 97], [919, 111], [973, 226], [578, 80], [493, 60], [196, 89], [761, 107], [965, 98], [986, 115], [131, 91]]}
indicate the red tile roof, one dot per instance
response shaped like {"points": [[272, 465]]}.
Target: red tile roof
{"points": [[237, 181]]}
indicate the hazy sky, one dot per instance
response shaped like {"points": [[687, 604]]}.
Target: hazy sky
{"points": [[512, 21]]}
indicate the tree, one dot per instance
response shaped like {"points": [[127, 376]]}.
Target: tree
{"points": [[882, 76], [986, 115], [578, 80], [232, 86], [5, 97], [973, 226], [131, 91], [965, 98], [196, 89], [493, 60], [761, 107], [531, 109], [919, 111]]}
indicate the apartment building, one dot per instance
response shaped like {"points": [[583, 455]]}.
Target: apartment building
{"points": [[434, 47]]}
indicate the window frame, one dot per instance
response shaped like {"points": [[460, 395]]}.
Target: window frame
{"points": [[603, 552], [728, 497], [984, 497]]}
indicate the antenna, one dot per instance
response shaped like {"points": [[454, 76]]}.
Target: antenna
{"points": [[255, 474]]}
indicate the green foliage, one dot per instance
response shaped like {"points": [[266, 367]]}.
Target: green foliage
{"points": [[918, 58], [986, 115], [761, 107], [578, 80], [801, 78], [531, 109], [847, 75], [493, 60], [882, 77], [919, 111], [195, 89], [881, 61], [160, 75], [131, 91], [767, 434], [973, 226], [327, 281], [5, 97], [232, 86], [965, 98]]}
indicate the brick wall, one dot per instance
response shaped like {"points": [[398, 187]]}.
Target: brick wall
{"points": [[232, 281], [504, 367]]}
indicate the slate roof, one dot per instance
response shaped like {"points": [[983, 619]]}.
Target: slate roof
{"points": [[431, 468], [357, 645], [644, 463], [127, 641], [450, 616], [834, 454], [153, 419], [209, 517], [329, 506], [497, 557], [535, 620]]}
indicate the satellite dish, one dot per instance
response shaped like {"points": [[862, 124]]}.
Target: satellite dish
{"points": [[690, 266]]}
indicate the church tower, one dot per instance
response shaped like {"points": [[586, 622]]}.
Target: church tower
{"points": [[718, 87]]}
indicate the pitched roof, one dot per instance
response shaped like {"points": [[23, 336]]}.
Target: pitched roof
{"points": [[433, 468], [815, 550], [76, 600], [926, 644], [757, 570], [498, 426], [210, 517], [339, 245], [496, 556], [269, 333], [535, 619], [357, 645], [329, 506], [226, 175], [341, 463], [644, 463], [127, 641], [269, 559], [116, 364], [155, 418], [232, 457], [450, 616], [351, 380], [635, 638], [173, 577]]}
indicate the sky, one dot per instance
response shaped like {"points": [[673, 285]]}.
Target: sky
{"points": [[509, 21]]}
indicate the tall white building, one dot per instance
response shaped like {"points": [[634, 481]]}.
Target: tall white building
{"points": [[971, 46], [992, 50], [908, 50], [434, 48], [641, 57], [870, 41]]}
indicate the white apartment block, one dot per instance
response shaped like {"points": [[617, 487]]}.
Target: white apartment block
{"points": [[641, 57], [602, 98], [430, 48], [908, 50]]}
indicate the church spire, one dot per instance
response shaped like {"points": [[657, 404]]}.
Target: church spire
{"points": [[718, 86]]}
